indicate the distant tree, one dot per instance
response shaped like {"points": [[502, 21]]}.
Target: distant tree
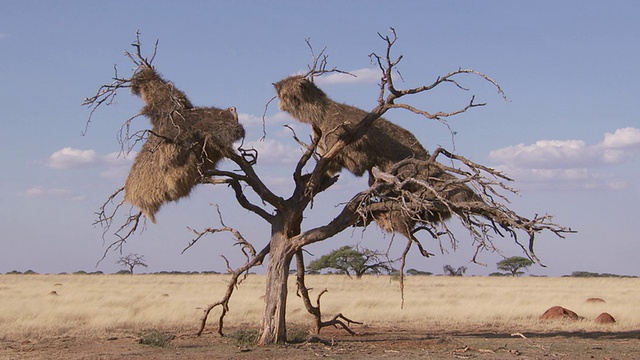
{"points": [[131, 261], [514, 264], [415, 272], [350, 259], [451, 271], [498, 274], [584, 274]]}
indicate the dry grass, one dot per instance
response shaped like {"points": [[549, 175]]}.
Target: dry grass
{"points": [[95, 305]]}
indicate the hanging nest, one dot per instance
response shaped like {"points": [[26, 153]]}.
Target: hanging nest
{"points": [[184, 143], [384, 145]]}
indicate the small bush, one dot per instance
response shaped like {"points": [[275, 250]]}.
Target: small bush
{"points": [[297, 336], [245, 337], [414, 272], [499, 274], [155, 338]]}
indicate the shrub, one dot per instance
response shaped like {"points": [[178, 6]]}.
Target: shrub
{"points": [[245, 337], [155, 338]]}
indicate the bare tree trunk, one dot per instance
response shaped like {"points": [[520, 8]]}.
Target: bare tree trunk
{"points": [[273, 327]]}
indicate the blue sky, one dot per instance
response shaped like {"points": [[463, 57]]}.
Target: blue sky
{"points": [[569, 136]]}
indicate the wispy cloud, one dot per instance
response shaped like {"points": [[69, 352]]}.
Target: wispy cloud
{"points": [[570, 163], [43, 192], [2, 35], [366, 75], [70, 158]]}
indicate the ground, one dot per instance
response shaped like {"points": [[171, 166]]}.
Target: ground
{"points": [[371, 343]]}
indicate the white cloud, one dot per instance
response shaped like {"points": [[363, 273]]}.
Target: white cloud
{"points": [[616, 148], [547, 154], [67, 158], [623, 138], [2, 35], [115, 164], [569, 163], [42, 192], [366, 75], [254, 120], [273, 152]]}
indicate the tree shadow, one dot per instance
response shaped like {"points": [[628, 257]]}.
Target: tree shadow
{"points": [[609, 335]]}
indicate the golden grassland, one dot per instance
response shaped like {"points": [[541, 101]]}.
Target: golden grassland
{"points": [[97, 305]]}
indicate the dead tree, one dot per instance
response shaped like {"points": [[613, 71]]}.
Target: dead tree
{"points": [[131, 261], [421, 190]]}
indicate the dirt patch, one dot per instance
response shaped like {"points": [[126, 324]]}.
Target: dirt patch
{"points": [[372, 343]]}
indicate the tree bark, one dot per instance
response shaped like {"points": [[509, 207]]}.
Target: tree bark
{"points": [[273, 325]]}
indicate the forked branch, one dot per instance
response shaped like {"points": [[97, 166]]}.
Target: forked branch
{"points": [[303, 292], [247, 249], [388, 65], [237, 276], [106, 94], [319, 64], [106, 216]]}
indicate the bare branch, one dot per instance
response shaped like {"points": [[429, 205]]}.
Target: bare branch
{"points": [[105, 219], [303, 292], [319, 64], [387, 65], [105, 95], [246, 247], [264, 118], [138, 59], [232, 285], [253, 180], [482, 214]]}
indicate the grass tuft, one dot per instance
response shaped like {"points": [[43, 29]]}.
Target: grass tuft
{"points": [[155, 338], [297, 336], [245, 337]]}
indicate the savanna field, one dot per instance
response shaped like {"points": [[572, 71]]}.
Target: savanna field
{"points": [[39, 309]]}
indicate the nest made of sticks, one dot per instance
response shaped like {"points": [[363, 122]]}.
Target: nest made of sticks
{"points": [[183, 144]]}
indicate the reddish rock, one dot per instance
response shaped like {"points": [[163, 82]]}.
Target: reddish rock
{"points": [[558, 312], [605, 318], [595, 300]]}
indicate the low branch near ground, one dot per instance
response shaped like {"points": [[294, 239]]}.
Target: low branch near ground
{"points": [[235, 280], [237, 275], [303, 292]]}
